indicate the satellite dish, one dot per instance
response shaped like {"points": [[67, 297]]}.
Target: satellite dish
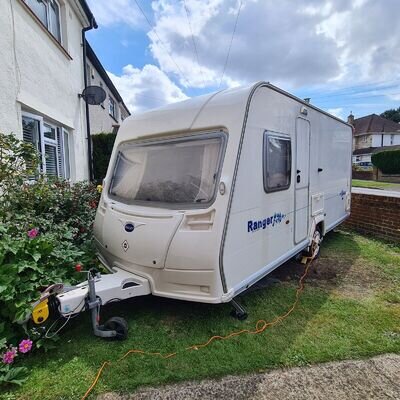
{"points": [[93, 95]]}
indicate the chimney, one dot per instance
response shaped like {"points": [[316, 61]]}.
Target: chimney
{"points": [[307, 100], [350, 119]]}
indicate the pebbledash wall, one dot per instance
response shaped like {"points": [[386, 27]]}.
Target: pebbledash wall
{"points": [[42, 77], [376, 215]]}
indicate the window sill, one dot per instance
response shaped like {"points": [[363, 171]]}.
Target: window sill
{"points": [[44, 28]]}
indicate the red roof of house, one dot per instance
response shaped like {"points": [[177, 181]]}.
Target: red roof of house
{"points": [[374, 124]]}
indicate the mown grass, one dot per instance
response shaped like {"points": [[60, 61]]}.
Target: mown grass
{"points": [[374, 184], [327, 325]]}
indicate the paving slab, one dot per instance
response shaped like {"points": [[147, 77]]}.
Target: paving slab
{"points": [[374, 378]]}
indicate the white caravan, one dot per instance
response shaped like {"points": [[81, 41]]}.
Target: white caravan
{"points": [[205, 197]]}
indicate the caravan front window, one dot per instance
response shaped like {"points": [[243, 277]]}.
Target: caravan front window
{"points": [[172, 172]]}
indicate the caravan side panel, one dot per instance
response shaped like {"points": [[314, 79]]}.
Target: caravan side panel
{"points": [[264, 229], [260, 225]]}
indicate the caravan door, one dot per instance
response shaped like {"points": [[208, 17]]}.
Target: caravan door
{"points": [[302, 180]]}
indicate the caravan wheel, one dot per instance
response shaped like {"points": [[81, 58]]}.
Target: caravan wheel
{"points": [[315, 246]]}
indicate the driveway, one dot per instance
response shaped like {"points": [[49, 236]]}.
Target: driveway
{"points": [[375, 378]]}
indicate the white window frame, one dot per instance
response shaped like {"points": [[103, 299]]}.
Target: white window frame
{"points": [[45, 140], [102, 86], [51, 142], [41, 130], [110, 99], [66, 166], [279, 136], [47, 4]]}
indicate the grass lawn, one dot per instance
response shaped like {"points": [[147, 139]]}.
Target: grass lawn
{"points": [[375, 184], [350, 308]]}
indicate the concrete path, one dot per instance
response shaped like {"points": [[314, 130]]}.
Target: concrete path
{"points": [[377, 192], [375, 378]]}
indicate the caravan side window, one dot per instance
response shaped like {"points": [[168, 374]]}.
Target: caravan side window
{"points": [[277, 162]]}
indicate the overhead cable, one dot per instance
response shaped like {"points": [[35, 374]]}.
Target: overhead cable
{"points": [[230, 44], [162, 43]]}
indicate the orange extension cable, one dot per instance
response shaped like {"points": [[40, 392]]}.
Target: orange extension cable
{"points": [[260, 327]]}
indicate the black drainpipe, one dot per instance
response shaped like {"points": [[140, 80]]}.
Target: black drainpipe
{"points": [[92, 25]]}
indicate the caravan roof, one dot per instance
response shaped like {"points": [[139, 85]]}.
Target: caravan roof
{"points": [[224, 104]]}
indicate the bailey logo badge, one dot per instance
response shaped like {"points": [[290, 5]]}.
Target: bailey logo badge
{"points": [[125, 245], [129, 227]]}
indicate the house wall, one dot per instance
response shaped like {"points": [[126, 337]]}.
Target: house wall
{"points": [[376, 140], [362, 141], [391, 139], [36, 75], [375, 215], [100, 119]]}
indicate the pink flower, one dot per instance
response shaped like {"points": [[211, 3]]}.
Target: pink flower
{"points": [[25, 346], [9, 355], [33, 233]]}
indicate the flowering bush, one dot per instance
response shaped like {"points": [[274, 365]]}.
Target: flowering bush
{"points": [[9, 373], [45, 230]]}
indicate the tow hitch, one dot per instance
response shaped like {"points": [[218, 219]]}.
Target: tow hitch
{"points": [[90, 295]]}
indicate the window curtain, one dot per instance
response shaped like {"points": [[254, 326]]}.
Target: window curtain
{"points": [[209, 168], [129, 174]]}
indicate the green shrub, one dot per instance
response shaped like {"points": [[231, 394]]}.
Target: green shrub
{"points": [[387, 161], [102, 148], [45, 230]]}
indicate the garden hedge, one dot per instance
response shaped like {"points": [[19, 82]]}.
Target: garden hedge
{"points": [[102, 148], [387, 161]]}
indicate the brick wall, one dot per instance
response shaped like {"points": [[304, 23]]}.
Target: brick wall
{"points": [[393, 178], [375, 215], [366, 175]]}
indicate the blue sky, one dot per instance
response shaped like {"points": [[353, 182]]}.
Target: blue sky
{"points": [[320, 49]]}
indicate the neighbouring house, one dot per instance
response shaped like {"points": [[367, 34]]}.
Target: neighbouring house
{"points": [[108, 116], [372, 133], [41, 76]]}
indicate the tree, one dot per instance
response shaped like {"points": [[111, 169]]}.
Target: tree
{"points": [[392, 114]]}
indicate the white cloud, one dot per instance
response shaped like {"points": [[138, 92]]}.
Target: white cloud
{"points": [[331, 44], [293, 44], [273, 41], [114, 12], [337, 112], [146, 88]]}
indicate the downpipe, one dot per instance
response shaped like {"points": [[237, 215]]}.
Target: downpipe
{"points": [[93, 25]]}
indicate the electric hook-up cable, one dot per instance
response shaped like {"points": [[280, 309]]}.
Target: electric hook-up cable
{"points": [[260, 326], [68, 316]]}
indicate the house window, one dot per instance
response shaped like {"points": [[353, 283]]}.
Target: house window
{"points": [[277, 162], [52, 143], [48, 12], [101, 85], [112, 110]]}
